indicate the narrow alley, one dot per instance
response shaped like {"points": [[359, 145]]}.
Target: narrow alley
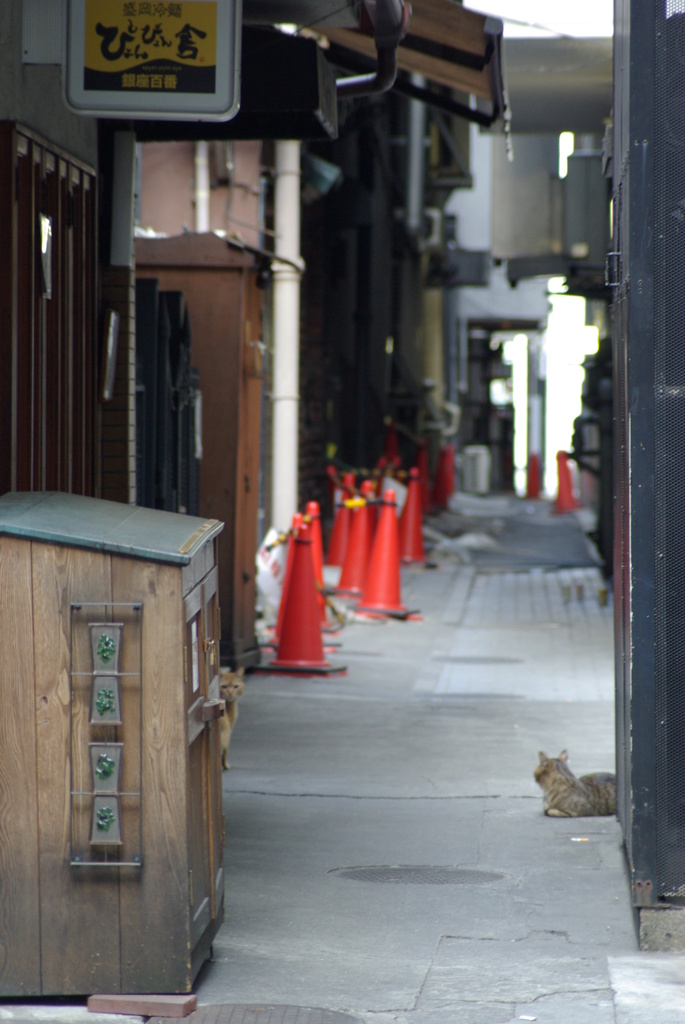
{"points": [[387, 855]]}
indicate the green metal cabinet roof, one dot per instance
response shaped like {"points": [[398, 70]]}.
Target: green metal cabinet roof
{"points": [[107, 526]]}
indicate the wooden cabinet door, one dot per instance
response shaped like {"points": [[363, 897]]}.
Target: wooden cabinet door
{"points": [[212, 625], [205, 845]]}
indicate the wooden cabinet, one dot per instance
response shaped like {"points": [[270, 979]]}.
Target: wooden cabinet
{"points": [[111, 826]]}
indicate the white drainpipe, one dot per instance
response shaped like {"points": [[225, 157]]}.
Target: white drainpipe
{"points": [[201, 186], [287, 272], [416, 163]]}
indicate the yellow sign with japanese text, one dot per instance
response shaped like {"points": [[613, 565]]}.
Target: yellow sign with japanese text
{"points": [[154, 55], [128, 44]]}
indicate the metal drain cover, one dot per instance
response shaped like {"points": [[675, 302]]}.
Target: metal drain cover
{"points": [[257, 1013], [418, 874]]}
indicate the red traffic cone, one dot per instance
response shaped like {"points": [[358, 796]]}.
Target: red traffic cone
{"points": [[391, 448], [340, 534], [443, 485], [422, 466], [411, 534], [313, 513], [533, 476], [380, 472], [381, 596], [566, 501], [358, 554], [300, 648], [332, 481], [296, 524]]}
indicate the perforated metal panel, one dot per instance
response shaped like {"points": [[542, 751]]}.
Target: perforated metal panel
{"points": [[649, 333], [669, 428], [631, 267]]}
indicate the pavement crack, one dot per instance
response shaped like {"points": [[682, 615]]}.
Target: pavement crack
{"points": [[544, 933], [373, 796]]}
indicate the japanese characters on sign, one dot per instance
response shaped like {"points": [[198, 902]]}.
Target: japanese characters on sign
{"points": [[172, 59]]}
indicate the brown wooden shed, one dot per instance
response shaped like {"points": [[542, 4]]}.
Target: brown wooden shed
{"points": [[111, 826], [224, 303]]}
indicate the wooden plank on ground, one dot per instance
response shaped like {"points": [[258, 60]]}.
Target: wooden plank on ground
{"points": [[144, 1006]]}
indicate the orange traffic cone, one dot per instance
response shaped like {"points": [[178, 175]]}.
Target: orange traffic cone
{"points": [[332, 481], [296, 524], [422, 466], [300, 648], [443, 484], [379, 473], [358, 554], [340, 534], [391, 448], [533, 476], [313, 514], [411, 534], [381, 596], [566, 501]]}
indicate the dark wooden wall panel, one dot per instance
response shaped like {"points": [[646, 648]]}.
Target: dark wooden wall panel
{"points": [[8, 299], [21, 380], [48, 353]]}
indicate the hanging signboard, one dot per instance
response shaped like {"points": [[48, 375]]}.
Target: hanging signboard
{"points": [[150, 59]]}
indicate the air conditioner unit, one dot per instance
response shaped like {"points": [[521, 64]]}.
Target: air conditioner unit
{"points": [[433, 231], [475, 467]]}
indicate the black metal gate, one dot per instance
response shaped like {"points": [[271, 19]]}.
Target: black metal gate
{"points": [[648, 274], [167, 397]]}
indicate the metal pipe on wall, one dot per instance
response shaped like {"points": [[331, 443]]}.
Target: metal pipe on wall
{"points": [[287, 272], [201, 186], [416, 163]]}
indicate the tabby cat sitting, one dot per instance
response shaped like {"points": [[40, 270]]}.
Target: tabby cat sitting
{"points": [[232, 686], [566, 796]]}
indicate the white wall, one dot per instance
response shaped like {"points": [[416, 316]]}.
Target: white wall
{"points": [[474, 211], [473, 207]]}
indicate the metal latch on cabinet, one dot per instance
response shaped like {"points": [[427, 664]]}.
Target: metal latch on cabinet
{"points": [[212, 709], [210, 645]]}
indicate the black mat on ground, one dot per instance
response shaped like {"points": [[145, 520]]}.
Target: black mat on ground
{"points": [[540, 539]]}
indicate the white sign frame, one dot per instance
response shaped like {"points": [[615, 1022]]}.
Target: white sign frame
{"points": [[220, 105]]}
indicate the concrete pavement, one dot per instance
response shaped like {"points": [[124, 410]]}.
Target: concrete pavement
{"points": [[386, 854]]}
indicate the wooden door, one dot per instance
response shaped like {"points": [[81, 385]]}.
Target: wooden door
{"points": [[205, 860]]}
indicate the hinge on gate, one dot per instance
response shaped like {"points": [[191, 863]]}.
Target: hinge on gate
{"points": [[611, 270], [223, 829], [185, 664], [191, 889], [643, 893]]}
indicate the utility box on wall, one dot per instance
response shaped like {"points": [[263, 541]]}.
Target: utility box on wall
{"points": [[111, 834]]}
